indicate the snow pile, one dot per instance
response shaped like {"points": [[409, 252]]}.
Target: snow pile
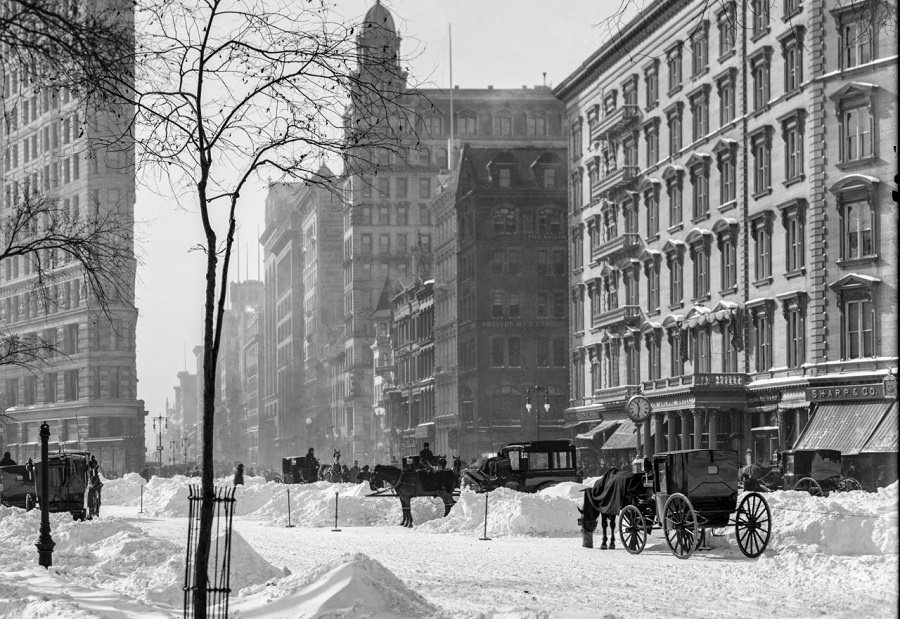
{"points": [[353, 586], [510, 513], [566, 490], [844, 523], [123, 491]]}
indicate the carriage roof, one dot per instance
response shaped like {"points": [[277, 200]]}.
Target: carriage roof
{"points": [[549, 445]]}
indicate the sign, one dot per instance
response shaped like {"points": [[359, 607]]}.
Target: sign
{"points": [[846, 392], [523, 324]]}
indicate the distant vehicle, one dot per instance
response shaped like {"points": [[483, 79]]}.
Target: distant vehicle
{"points": [[528, 466], [817, 471], [67, 484], [299, 470]]}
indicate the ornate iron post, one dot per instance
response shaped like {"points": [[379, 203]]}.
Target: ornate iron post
{"points": [[45, 543]]}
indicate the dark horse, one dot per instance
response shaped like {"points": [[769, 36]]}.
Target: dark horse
{"points": [[597, 505], [409, 484]]}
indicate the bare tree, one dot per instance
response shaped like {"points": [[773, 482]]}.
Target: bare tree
{"points": [[227, 90]]}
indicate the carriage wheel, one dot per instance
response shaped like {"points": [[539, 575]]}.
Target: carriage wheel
{"points": [[849, 484], [808, 484], [753, 525], [680, 526], [633, 529]]}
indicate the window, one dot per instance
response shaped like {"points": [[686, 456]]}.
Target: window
{"points": [[725, 86], [402, 244], [762, 335], [424, 188], [384, 187], [434, 125], [677, 351], [466, 124], [12, 392], [611, 291], [632, 361], [651, 84], [856, 128], [759, 64], [515, 352], [856, 224], [537, 124], [673, 116], [727, 174], [699, 49], [497, 356], [559, 262], [50, 381], [761, 229], [859, 340], [629, 150], [30, 395], [761, 143], [631, 277], [792, 51], [559, 305], [549, 222], [651, 270], [384, 244], [503, 124], [700, 113], [629, 91], [559, 352], [727, 239], [504, 220], [653, 353], [576, 139], [612, 363], [676, 279], [71, 385], [727, 30], [401, 186], [702, 351], [673, 62], [543, 352], [759, 13], [700, 182], [795, 319], [651, 199], [497, 305], [651, 137], [513, 262], [857, 40], [542, 304], [424, 215], [792, 132], [730, 354], [384, 216], [700, 256], [402, 213], [673, 190]]}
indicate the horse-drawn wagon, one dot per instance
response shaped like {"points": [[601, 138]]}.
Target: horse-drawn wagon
{"points": [[300, 470], [528, 466], [67, 484], [817, 471], [684, 493]]}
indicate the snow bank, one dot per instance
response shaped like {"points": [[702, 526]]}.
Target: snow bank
{"points": [[353, 586], [510, 513]]}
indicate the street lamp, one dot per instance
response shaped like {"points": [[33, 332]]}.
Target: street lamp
{"points": [[159, 446], [529, 406], [308, 432]]}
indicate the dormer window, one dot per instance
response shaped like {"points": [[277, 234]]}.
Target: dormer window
{"points": [[504, 177]]}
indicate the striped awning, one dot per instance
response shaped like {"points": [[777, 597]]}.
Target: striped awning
{"points": [[623, 437], [884, 440], [843, 426]]}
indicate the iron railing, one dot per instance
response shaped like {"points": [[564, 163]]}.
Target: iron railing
{"points": [[218, 585]]}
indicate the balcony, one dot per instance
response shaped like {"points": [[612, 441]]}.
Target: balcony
{"points": [[619, 244], [615, 179], [615, 394], [626, 313], [614, 122], [718, 381]]}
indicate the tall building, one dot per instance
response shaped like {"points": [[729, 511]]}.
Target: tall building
{"points": [[733, 248], [387, 209], [55, 149]]}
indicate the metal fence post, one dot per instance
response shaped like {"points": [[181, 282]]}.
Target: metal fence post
{"points": [[289, 525], [336, 529], [485, 537]]}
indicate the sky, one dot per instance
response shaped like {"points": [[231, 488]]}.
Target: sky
{"points": [[504, 43]]}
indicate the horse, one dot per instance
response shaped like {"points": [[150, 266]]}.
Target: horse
{"points": [[759, 478], [332, 472], [409, 484], [593, 507]]}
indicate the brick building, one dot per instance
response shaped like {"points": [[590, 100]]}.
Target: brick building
{"points": [[52, 147], [732, 232]]}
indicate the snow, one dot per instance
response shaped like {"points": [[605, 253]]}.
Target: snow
{"points": [[834, 556]]}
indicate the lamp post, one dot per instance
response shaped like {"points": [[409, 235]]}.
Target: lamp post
{"points": [[529, 406], [45, 542], [308, 432], [159, 446]]}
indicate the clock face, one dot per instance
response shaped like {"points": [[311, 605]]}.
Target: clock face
{"points": [[638, 409]]}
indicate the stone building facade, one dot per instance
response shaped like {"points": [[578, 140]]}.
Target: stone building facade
{"points": [[52, 148], [732, 233]]}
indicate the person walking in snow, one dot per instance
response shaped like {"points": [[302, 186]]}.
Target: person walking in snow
{"points": [[239, 474], [354, 472], [146, 474], [7, 460]]}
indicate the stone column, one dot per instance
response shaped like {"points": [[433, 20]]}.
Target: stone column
{"points": [[658, 444], [671, 421], [648, 440], [713, 427], [698, 428], [685, 429]]}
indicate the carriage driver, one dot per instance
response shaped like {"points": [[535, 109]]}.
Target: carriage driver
{"points": [[426, 458]]}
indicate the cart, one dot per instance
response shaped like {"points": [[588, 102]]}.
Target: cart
{"points": [[688, 492], [299, 470], [817, 471]]}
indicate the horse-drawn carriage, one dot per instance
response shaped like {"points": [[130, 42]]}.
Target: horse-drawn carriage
{"points": [[684, 493], [817, 471], [527, 466], [300, 470], [67, 484]]}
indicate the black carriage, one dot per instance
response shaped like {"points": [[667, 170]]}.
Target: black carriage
{"points": [[67, 484], [817, 471], [688, 492], [299, 470], [528, 466]]}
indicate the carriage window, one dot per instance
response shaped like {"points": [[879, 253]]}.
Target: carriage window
{"points": [[712, 469], [539, 461], [561, 460], [514, 460]]}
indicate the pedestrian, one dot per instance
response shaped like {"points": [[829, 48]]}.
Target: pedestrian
{"points": [[146, 473], [345, 474], [7, 460], [354, 472], [239, 474], [365, 474]]}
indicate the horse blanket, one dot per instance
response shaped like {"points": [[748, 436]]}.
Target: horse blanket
{"points": [[616, 489]]}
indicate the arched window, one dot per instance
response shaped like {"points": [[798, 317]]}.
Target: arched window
{"points": [[424, 157]]}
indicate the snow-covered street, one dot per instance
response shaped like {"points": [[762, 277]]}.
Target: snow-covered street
{"points": [[833, 557]]}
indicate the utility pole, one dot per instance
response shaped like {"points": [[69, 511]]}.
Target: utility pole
{"points": [[529, 406], [159, 445]]}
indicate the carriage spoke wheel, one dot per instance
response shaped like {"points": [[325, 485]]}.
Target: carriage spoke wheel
{"points": [[753, 525], [849, 484], [680, 526], [633, 529], [808, 484]]}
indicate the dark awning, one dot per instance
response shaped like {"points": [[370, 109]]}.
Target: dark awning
{"points": [[884, 440], [623, 438], [598, 429], [843, 426]]}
